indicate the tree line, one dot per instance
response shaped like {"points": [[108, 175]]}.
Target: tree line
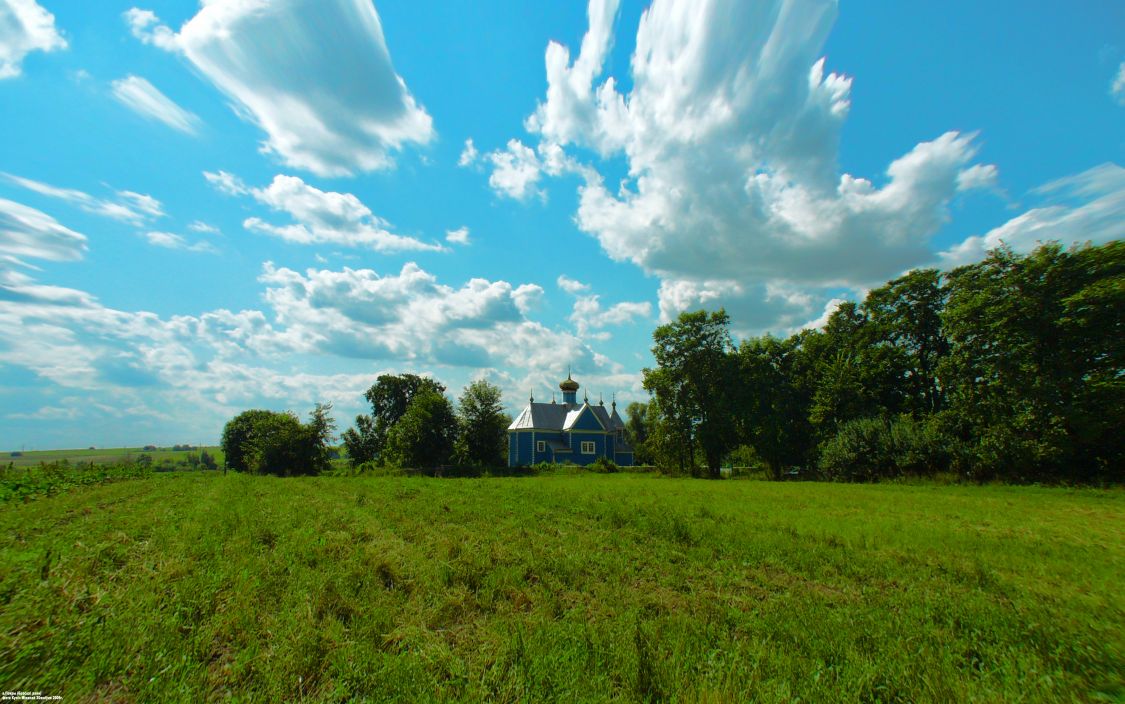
{"points": [[1012, 368], [412, 424]]}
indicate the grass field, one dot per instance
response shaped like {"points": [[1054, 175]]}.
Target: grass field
{"points": [[197, 586], [105, 455]]}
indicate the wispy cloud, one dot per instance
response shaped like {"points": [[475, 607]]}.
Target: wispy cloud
{"points": [[129, 206], [146, 100]]}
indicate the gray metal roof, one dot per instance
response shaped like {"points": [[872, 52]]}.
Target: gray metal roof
{"points": [[561, 416], [543, 416]]}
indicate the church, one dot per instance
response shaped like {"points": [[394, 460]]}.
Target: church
{"points": [[568, 432]]}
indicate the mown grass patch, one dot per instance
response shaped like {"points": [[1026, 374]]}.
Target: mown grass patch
{"points": [[192, 587]]}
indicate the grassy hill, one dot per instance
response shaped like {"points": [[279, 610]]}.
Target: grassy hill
{"points": [[197, 586]]}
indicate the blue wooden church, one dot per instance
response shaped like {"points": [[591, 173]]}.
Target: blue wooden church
{"points": [[573, 432]]}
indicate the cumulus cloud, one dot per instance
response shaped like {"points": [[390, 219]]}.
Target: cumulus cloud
{"points": [[146, 100], [27, 232], [1086, 207], [1117, 88], [280, 64], [458, 236], [25, 27], [129, 206], [515, 171], [571, 286], [320, 217], [730, 133], [170, 240], [588, 314]]}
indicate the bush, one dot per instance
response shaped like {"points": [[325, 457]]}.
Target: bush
{"points": [[602, 465], [870, 449]]}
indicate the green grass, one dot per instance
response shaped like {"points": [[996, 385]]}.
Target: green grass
{"points": [[198, 586], [104, 455]]}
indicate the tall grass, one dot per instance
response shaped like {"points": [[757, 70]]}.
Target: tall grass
{"points": [[623, 587]]}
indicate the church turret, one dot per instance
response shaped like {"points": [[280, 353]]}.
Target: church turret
{"points": [[570, 390]]}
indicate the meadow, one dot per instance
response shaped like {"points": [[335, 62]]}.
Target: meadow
{"points": [[197, 586], [104, 455]]}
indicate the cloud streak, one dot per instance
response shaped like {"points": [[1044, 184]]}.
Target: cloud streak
{"points": [[280, 64], [143, 98]]}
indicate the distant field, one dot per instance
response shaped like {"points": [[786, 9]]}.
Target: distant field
{"points": [[197, 586], [101, 455]]}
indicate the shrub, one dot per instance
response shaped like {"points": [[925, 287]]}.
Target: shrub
{"points": [[869, 449], [602, 465]]}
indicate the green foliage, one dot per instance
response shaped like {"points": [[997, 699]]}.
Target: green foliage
{"points": [[482, 439], [636, 431], [603, 465], [389, 397], [237, 434], [870, 449], [26, 483], [267, 442], [562, 588], [692, 384], [1037, 367], [423, 437]]}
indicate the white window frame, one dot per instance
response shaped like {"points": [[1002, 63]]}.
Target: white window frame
{"points": [[593, 448], [540, 446]]}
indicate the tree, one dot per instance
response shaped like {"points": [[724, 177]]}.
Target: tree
{"points": [[389, 397], [1035, 375], [636, 431], [361, 441], [424, 435], [774, 417], [267, 442], [693, 383], [236, 437], [906, 313], [482, 433]]}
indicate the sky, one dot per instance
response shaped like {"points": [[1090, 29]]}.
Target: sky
{"points": [[212, 206]]}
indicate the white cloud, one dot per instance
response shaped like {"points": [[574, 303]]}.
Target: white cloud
{"points": [[130, 207], [515, 171], [468, 154], [730, 133], [27, 232], [143, 98], [458, 236], [169, 240], [145, 25], [588, 314], [1087, 207], [200, 226], [281, 64], [978, 176], [25, 27], [321, 217], [1117, 88], [570, 285]]}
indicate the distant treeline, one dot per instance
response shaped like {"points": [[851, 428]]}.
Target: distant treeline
{"points": [[1011, 369]]}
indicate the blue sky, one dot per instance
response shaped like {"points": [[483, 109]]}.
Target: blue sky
{"points": [[208, 207]]}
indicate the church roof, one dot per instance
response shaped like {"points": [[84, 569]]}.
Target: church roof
{"points": [[561, 416]]}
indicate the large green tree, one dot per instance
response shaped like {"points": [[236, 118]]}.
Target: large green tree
{"points": [[693, 382], [424, 436], [774, 416], [389, 397], [483, 424], [1036, 373], [268, 442], [906, 314]]}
